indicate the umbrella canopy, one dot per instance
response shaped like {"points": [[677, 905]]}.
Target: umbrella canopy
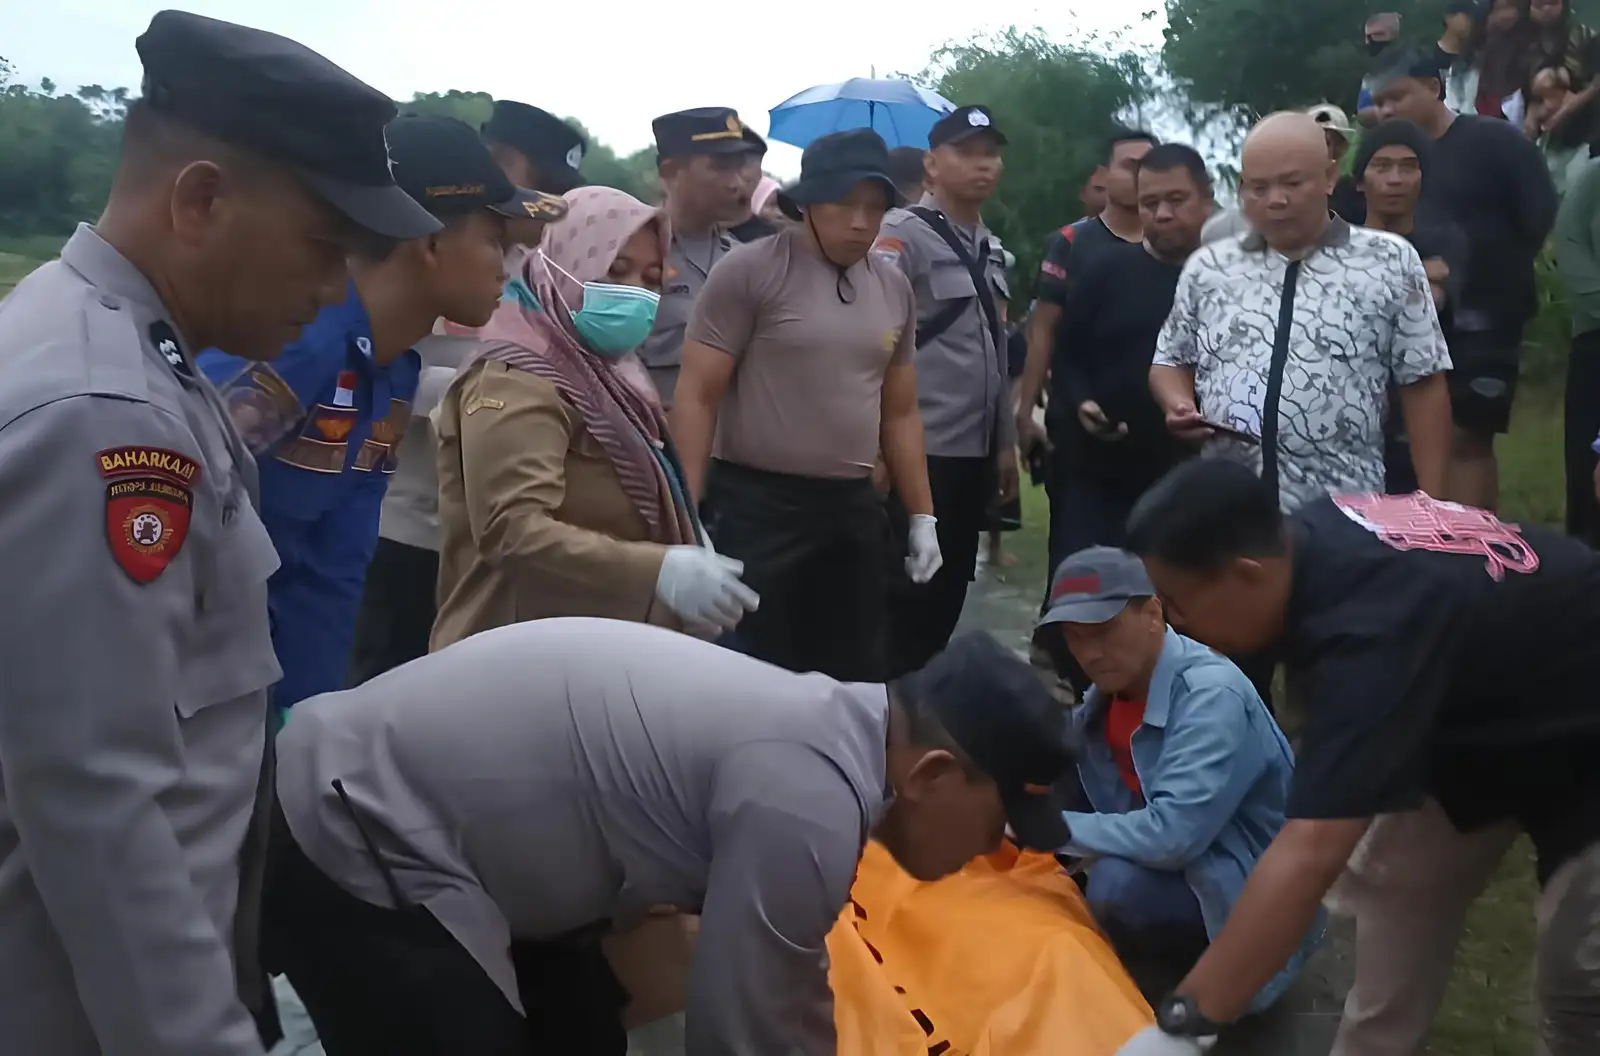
{"points": [[897, 110]]}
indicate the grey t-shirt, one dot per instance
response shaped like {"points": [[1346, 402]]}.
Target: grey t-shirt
{"points": [[545, 776]]}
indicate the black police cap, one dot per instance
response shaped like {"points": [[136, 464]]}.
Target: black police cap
{"points": [[443, 164], [997, 711], [549, 142], [704, 130], [963, 123], [269, 94]]}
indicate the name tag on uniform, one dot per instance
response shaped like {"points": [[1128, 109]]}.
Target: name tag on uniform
{"points": [[323, 441], [382, 450]]}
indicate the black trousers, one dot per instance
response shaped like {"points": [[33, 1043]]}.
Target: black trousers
{"points": [[393, 982], [1582, 426], [816, 550], [923, 616], [397, 610]]}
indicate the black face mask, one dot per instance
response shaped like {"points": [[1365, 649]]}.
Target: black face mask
{"points": [[1376, 47]]}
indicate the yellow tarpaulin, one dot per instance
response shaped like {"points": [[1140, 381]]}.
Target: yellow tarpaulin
{"points": [[1002, 959]]}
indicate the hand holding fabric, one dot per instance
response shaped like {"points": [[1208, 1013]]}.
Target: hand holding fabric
{"points": [[922, 542], [703, 588]]}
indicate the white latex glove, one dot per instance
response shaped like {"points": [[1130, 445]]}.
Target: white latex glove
{"points": [[703, 588], [1151, 1041], [922, 541]]}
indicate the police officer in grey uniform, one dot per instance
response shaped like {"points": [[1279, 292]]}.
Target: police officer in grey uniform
{"points": [[700, 154], [134, 647], [957, 269]]}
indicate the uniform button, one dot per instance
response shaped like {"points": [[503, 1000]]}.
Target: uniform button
{"points": [[108, 301]]}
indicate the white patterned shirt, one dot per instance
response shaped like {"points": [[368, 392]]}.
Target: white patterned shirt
{"points": [[1362, 316]]}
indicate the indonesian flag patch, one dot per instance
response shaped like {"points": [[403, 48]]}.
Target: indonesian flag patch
{"points": [[149, 499]]}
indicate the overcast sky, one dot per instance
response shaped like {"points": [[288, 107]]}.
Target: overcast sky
{"points": [[614, 70]]}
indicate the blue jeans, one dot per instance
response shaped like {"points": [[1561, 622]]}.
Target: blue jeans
{"points": [[1152, 919]]}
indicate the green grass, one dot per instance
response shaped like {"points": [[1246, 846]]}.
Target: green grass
{"points": [[1488, 1009]]}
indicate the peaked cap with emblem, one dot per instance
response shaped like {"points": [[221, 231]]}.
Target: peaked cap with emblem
{"points": [[280, 99], [543, 138], [963, 123], [445, 166], [705, 130]]}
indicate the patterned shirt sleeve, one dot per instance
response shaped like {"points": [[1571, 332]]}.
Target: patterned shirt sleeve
{"points": [[1176, 345], [1417, 349]]}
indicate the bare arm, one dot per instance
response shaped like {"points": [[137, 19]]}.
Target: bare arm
{"points": [[701, 383], [900, 437], [1172, 387], [1036, 370], [1425, 406]]}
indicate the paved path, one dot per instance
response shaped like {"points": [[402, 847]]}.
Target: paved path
{"points": [[1301, 1024]]}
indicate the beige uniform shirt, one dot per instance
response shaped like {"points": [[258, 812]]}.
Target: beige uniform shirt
{"points": [[135, 658], [583, 771], [812, 349], [689, 264], [963, 389]]}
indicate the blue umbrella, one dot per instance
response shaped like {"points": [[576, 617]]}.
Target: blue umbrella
{"points": [[899, 111]]}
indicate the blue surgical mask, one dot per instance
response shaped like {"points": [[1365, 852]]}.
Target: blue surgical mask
{"points": [[614, 320]]}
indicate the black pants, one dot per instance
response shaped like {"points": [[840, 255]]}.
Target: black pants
{"points": [[1582, 426], [397, 610], [816, 551], [923, 616], [394, 982]]}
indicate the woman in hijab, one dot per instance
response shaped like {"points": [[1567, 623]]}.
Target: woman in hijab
{"points": [[559, 493]]}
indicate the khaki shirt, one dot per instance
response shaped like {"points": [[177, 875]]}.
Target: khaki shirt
{"points": [[534, 522], [135, 657], [963, 389], [689, 263], [807, 391], [585, 771]]}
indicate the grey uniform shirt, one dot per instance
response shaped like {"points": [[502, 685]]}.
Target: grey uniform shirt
{"points": [[410, 512], [135, 658], [963, 388], [545, 776], [689, 262]]}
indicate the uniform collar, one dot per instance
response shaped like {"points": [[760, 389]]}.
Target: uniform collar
{"points": [[108, 270], [928, 201], [351, 319], [1337, 235]]}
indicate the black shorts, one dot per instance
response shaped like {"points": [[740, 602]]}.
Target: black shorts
{"points": [[1483, 378]]}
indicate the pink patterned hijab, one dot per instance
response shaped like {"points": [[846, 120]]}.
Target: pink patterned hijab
{"points": [[624, 415]]}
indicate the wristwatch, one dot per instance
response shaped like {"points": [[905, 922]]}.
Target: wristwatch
{"points": [[1180, 1017]]}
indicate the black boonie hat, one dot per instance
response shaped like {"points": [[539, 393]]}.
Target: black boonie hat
{"points": [[996, 709], [833, 164], [705, 130], [546, 140], [445, 166], [963, 123], [269, 94]]}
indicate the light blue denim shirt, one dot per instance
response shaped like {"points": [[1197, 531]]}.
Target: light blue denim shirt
{"points": [[1215, 769]]}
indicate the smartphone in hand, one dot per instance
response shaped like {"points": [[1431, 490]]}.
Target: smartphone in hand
{"points": [[1233, 434]]}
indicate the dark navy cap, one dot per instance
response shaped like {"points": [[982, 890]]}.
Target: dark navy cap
{"points": [[963, 123], [705, 130], [753, 140], [1094, 585], [995, 708], [271, 95], [543, 138], [835, 163], [445, 166]]}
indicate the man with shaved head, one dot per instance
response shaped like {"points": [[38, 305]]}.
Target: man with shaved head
{"points": [[1282, 344]]}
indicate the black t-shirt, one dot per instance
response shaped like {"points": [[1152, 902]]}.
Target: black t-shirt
{"points": [[1492, 181], [1442, 652], [1067, 252], [1347, 201], [1107, 336]]}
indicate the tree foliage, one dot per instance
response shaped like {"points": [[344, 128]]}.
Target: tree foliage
{"points": [[58, 151], [1056, 103], [1246, 58]]}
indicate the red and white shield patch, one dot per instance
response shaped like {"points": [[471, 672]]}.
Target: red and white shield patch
{"points": [[148, 504]]}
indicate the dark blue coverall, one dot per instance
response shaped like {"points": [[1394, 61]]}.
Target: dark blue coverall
{"points": [[323, 421]]}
